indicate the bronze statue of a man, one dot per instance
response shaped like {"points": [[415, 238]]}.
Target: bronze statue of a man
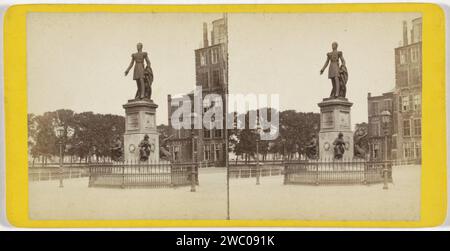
{"points": [[336, 72], [339, 146], [142, 75], [116, 149], [144, 148], [312, 147], [360, 144]]}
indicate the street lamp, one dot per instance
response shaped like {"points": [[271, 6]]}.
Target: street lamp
{"points": [[194, 162], [60, 134], [385, 120]]}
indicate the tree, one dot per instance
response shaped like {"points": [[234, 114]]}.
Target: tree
{"points": [[84, 134], [44, 136], [294, 127]]}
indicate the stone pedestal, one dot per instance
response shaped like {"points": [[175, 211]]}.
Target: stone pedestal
{"points": [[335, 118], [140, 119]]}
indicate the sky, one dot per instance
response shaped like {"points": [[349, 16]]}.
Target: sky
{"points": [[77, 60]]}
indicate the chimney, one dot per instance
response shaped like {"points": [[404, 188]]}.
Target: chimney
{"points": [[369, 94], [205, 35], [405, 33], [169, 109]]}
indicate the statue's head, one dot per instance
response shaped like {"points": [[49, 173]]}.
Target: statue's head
{"points": [[334, 45], [340, 135], [360, 131], [146, 137], [139, 46]]}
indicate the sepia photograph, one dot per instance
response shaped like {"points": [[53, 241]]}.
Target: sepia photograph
{"points": [[224, 116]]}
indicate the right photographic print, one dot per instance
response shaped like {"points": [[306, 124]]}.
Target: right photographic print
{"points": [[325, 116]]}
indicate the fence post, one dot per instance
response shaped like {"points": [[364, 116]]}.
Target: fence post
{"points": [[123, 176], [258, 173], [193, 178], [285, 181], [385, 176], [90, 175], [317, 172]]}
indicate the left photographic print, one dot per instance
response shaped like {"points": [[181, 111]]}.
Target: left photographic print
{"points": [[102, 89]]}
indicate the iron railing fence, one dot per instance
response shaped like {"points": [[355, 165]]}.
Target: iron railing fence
{"points": [[141, 175], [345, 172], [43, 171], [407, 162], [55, 173], [66, 163], [251, 169]]}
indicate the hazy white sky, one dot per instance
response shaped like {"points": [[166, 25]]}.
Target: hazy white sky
{"points": [[283, 53], [77, 61]]}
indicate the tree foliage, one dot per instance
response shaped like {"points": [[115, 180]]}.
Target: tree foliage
{"points": [[295, 129], [84, 133]]}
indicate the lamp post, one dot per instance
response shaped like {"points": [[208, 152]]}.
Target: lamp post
{"points": [[385, 120], [194, 163], [60, 134]]}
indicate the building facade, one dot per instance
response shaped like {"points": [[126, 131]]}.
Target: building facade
{"points": [[404, 103], [211, 71], [408, 94], [381, 134]]}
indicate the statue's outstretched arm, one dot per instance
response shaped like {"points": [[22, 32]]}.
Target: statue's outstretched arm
{"points": [[129, 67]]}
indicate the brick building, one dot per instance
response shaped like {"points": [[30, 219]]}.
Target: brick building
{"points": [[404, 103], [408, 92], [377, 129], [211, 70]]}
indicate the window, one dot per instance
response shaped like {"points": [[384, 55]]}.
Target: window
{"points": [[403, 57], [375, 151], [388, 104], [406, 150], [402, 78], [412, 150], [215, 55], [203, 58], [414, 54], [217, 155], [176, 152], [206, 133], [204, 78], [414, 77], [218, 133], [405, 103], [195, 146], [417, 127], [417, 102], [375, 110], [406, 128], [374, 129], [213, 152], [207, 152], [216, 78], [417, 150]]}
